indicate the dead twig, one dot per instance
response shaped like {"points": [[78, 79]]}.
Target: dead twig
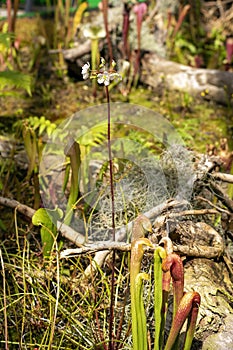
{"points": [[219, 193], [76, 237], [192, 212], [221, 9], [223, 177], [21, 208], [104, 248], [199, 251], [220, 210], [213, 3], [95, 247]]}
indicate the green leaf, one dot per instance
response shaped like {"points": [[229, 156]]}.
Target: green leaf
{"points": [[6, 40], [14, 79], [47, 219]]}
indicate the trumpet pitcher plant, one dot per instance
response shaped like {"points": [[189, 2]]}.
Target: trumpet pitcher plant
{"points": [[168, 268]]}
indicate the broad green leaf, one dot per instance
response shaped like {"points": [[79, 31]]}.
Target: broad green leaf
{"points": [[47, 219]]}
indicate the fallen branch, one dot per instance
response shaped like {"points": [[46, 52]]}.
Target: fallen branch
{"points": [[158, 72], [220, 210], [193, 212], [219, 193], [21, 208], [66, 231], [223, 177], [102, 249], [78, 238], [199, 251], [162, 219], [77, 52], [95, 247]]}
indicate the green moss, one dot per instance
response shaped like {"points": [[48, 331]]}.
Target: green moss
{"points": [[199, 122]]}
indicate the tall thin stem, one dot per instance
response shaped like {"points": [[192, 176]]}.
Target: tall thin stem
{"points": [[111, 340], [9, 19], [110, 164], [16, 7]]}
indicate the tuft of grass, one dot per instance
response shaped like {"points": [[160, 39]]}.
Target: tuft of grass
{"points": [[51, 305]]}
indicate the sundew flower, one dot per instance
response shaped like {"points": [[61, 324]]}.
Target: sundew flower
{"points": [[103, 78], [86, 71], [103, 75], [106, 77]]}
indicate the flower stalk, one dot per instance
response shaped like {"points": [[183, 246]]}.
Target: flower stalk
{"points": [[111, 344], [167, 265], [105, 76]]}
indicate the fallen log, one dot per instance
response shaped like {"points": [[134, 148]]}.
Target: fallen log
{"points": [[77, 52], [212, 84]]}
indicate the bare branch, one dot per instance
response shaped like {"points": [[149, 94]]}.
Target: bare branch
{"points": [[95, 247], [220, 210], [223, 177], [218, 191], [78, 238], [104, 248], [199, 251], [21, 208], [193, 212], [66, 231]]}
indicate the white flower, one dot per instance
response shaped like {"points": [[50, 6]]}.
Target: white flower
{"points": [[86, 71], [102, 62], [103, 78], [106, 77], [115, 76]]}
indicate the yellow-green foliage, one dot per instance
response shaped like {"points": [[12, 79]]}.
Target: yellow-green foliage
{"points": [[10, 78]]}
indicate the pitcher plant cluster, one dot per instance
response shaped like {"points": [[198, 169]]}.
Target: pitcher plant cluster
{"points": [[168, 268]]}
